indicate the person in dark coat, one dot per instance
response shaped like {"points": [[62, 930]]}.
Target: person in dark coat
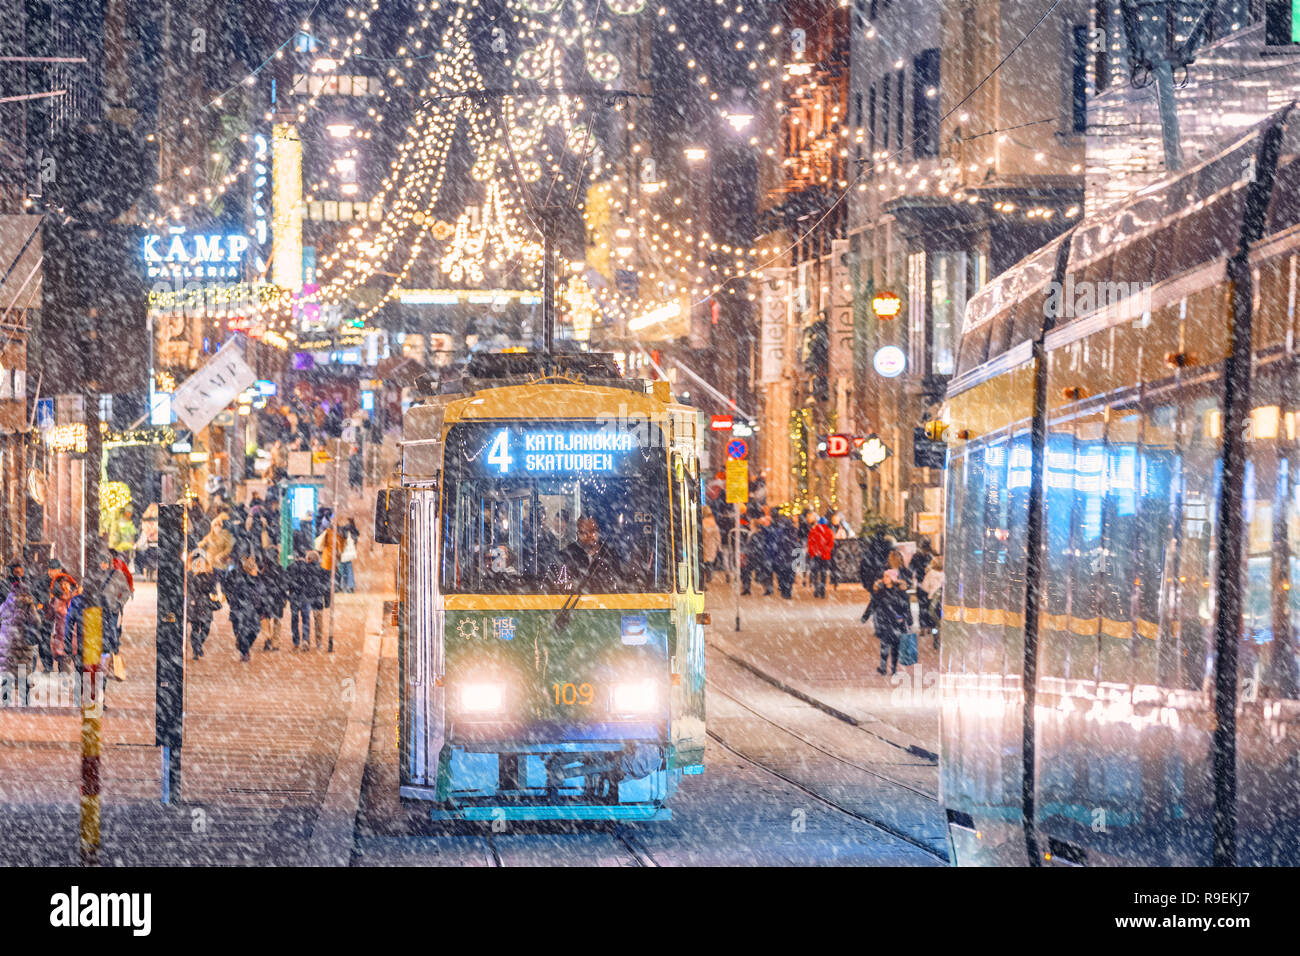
{"points": [[201, 591], [892, 610], [875, 556], [243, 590], [782, 543], [320, 598], [756, 555], [303, 579], [275, 594], [919, 565]]}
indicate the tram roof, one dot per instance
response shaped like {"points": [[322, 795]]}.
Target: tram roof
{"points": [[552, 399], [1163, 232]]}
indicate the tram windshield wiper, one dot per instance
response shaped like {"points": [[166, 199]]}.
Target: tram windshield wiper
{"points": [[561, 619]]}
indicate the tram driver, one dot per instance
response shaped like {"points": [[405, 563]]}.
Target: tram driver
{"points": [[590, 557]]}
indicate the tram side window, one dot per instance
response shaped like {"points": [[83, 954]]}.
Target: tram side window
{"points": [[1019, 475], [971, 559], [1119, 581], [1267, 664], [693, 539], [955, 545], [1058, 493], [997, 536], [1090, 458], [1202, 468], [681, 549], [1156, 544]]}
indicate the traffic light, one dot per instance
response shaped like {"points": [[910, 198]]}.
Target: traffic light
{"points": [[935, 430], [1281, 22]]}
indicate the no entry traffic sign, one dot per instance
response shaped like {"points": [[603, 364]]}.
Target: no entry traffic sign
{"points": [[721, 423], [737, 448]]}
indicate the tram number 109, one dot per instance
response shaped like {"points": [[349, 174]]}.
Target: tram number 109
{"points": [[571, 694]]}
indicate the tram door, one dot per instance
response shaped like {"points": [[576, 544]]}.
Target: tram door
{"points": [[424, 724]]}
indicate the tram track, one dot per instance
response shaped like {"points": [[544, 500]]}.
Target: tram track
{"points": [[632, 842], [822, 705], [627, 839], [871, 821], [932, 797]]}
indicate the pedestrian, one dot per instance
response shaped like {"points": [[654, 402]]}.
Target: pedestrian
{"points": [[219, 543], [783, 544], [60, 597], [122, 531], [302, 580], [54, 588], [241, 587], [921, 558], [757, 565], [16, 576], [202, 601], [875, 555], [327, 541], [892, 610], [710, 544], [929, 599], [146, 546], [320, 599], [274, 594], [840, 527], [116, 590], [18, 624], [355, 470], [351, 535], [821, 548]]}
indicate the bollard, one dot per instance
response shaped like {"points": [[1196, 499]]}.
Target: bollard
{"points": [[92, 641]]}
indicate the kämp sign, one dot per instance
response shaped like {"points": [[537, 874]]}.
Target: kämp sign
{"points": [[204, 394]]}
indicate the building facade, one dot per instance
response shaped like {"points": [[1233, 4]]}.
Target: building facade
{"points": [[921, 148]]}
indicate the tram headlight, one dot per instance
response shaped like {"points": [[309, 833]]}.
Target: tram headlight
{"points": [[638, 698], [481, 698]]}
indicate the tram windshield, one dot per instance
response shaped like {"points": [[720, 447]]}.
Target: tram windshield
{"points": [[551, 507]]}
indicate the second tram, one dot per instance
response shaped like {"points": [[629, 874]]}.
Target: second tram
{"points": [[1121, 683], [551, 610]]}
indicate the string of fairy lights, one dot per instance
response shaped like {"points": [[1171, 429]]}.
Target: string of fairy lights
{"points": [[514, 152]]}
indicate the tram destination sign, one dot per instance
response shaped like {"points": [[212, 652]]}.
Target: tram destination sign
{"points": [[555, 448]]}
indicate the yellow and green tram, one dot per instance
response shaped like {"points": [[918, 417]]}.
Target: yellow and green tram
{"points": [[551, 625]]}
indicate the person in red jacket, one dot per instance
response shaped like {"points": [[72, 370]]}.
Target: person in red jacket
{"points": [[821, 545]]}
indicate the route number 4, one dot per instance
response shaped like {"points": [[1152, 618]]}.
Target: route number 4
{"points": [[499, 453]]}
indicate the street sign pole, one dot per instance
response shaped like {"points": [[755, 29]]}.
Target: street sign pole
{"points": [[334, 538], [735, 543], [169, 636], [737, 494]]}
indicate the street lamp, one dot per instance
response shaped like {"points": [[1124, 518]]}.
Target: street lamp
{"points": [[739, 121], [696, 154]]}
